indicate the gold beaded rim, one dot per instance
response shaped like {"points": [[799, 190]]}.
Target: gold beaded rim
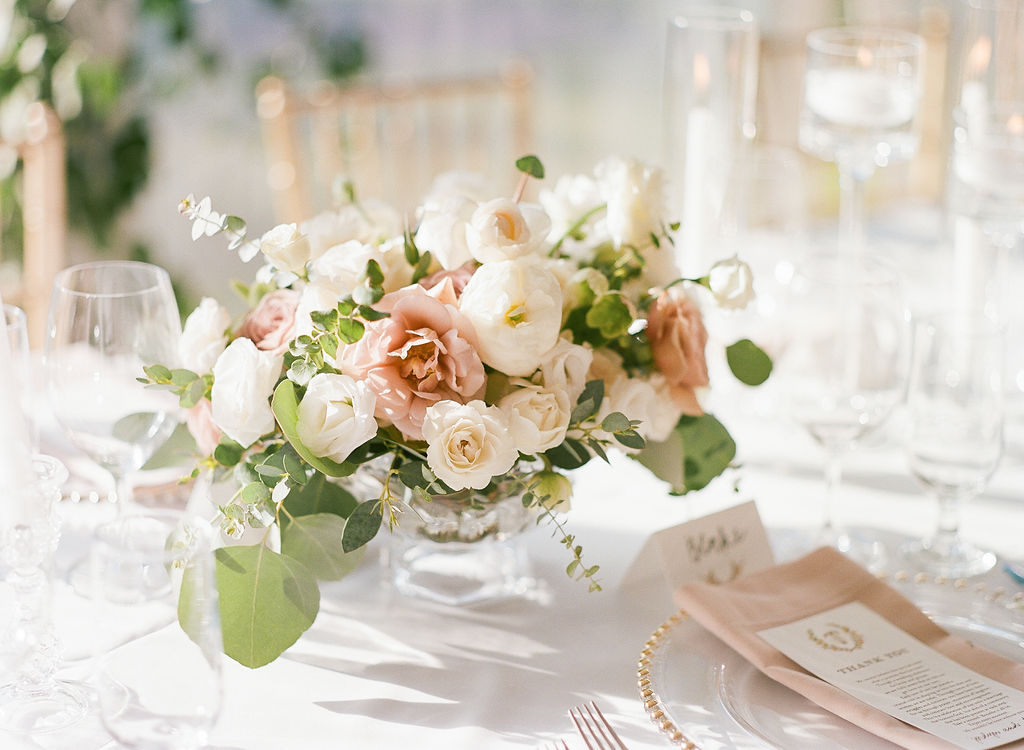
{"points": [[652, 703]]}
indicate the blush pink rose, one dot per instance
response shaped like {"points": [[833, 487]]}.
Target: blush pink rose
{"points": [[677, 334], [271, 324], [423, 353], [199, 420], [458, 277]]}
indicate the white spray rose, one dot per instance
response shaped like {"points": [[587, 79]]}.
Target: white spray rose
{"points": [[502, 229], [286, 247], [537, 417], [468, 444], [515, 307], [565, 368], [732, 283], [243, 381], [442, 231], [204, 336], [336, 415], [635, 196], [340, 266]]}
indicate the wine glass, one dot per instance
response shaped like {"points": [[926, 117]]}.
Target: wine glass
{"points": [[844, 366], [17, 337], [860, 99], [153, 574], [955, 405], [107, 320]]}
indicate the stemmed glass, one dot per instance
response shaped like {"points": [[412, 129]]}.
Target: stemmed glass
{"points": [[955, 403], [107, 320], [844, 366], [860, 99]]}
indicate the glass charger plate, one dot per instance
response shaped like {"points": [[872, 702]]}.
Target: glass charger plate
{"points": [[698, 690]]}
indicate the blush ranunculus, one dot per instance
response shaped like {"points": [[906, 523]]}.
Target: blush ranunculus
{"points": [[271, 324], [677, 334], [424, 352], [199, 420]]}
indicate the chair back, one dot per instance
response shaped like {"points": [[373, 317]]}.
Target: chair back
{"points": [[389, 141]]}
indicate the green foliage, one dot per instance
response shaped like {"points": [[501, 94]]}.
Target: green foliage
{"points": [[698, 450], [748, 362], [319, 496], [315, 541], [610, 315], [362, 525], [530, 165]]}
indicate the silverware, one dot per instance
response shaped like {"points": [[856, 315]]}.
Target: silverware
{"points": [[1015, 571], [559, 745], [595, 730]]}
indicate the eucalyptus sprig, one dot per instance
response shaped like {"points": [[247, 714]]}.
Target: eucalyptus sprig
{"points": [[209, 223]]}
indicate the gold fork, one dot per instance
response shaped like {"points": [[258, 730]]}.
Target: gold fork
{"points": [[559, 745], [595, 730]]}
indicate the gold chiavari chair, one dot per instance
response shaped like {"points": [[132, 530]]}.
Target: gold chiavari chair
{"points": [[390, 140]]}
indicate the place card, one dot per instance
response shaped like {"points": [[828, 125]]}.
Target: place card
{"points": [[715, 548], [860, 652]]}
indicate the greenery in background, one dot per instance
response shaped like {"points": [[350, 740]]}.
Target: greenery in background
{"points": [[44, 57]]}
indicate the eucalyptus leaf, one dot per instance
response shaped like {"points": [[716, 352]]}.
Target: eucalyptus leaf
{"points": [[748, 362], [615, 422], [350, 330], [228, 452], [319, 495], [697, 451], [157, 372], [132, 428], [362, 525], [571, 454], [267, 601], [285, 406], [530, 165], [315, 541], [610, 315]]}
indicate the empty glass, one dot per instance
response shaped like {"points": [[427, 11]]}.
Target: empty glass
{"points": [[17, 337], [158, 674], [955, 405]]}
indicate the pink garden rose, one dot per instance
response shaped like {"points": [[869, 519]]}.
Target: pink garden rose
{"points": [[271, 324], [199, 420], [459, 277], [677, 334], [423, 353]]}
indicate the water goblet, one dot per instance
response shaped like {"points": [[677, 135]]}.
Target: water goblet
{"points": [[844, 366], [153, 577], [860, 100], [955, 406]]}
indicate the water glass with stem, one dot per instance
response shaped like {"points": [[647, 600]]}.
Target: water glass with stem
{"points": [[955, 405], [860, 99], [843, 369]]}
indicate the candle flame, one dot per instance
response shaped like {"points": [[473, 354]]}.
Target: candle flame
{"points": [[979, 56], [864, 57], [1015, 124], [701, 73]]}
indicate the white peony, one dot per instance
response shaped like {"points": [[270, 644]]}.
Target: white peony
{"points": [[442, 231], [286, 248], [369, 222], [336, 415], [457, 184], [516, 308], [204, 336], [339, 268], [732, 283], [243, 381], [468, 444], [565, 368], [502, 229], [634, 194], [573, 198], [537, 417]]}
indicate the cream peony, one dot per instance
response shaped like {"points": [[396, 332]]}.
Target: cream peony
{"points": [[204, 336], [515, 307], [468, 444], [336, 416], [369, 222], [732, 283], [565, 368], [442, 231], [502, 229], [243, 381], [286, 248], [537, 417]]}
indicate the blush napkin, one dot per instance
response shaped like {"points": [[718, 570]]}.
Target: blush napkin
{"points": [[821, 580]]}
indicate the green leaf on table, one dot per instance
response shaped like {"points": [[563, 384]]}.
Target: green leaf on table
{"points": [[530, 165], [610, 315], [748, 362], [362, 525], [315, 541], [697, 451], [267, 601], [285, 406], [319, 495]]}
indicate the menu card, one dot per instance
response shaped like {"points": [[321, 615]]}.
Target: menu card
{"points": [[865, 655]]}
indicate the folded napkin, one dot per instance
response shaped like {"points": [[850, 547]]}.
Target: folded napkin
{"points": [[817, 582]]}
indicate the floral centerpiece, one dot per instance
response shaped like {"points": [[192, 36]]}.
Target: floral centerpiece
{"points": [[496, 340]]}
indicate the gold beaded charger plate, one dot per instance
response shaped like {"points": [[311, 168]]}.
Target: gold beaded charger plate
{"points": [[702, 694]]}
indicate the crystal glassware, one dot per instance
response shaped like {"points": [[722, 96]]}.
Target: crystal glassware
{"points": [[843, 367], [860, 100], [107, 321], [153, 576], [21, 358], [955, 404]]}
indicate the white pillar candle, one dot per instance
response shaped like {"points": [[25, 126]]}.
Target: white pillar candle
{"points": [[859, 98], [15, 452], [696, 204]]}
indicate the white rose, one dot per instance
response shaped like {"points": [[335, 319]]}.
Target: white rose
{"points": [[314, 298], [502, 229], [642, 399], [468, 444], [635, 198], [340, 266], [565, 368], [286, 247], [369, 222], [576, 198], [442, 231], [204, 336], [732, 283], [537, 417], [243, 381], [457, 184], [516, 308], [336, 415]]}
